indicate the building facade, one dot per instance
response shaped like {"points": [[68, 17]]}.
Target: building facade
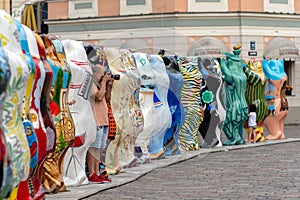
{"points": [[266, 29]]}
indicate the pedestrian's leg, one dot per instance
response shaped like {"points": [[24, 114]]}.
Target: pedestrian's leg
{"points": [[254, 135], [250, 134], [97, 161], [103, 149], [91, 160]]}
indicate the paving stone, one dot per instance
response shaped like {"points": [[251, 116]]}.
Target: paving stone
{"points": [[264, 172]]}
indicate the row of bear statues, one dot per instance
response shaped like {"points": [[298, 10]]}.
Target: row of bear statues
{"points": [[162, 105]]}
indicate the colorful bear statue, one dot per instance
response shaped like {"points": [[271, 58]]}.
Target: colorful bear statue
{"points": [[12, 114], [26, 190], [81, 111], [46, 120], [146, 95], [276, 99], [176, 108], [5, 160], [255, 94], [213, 100], [236, 106], [136, 120], [190, 98], [164, 118], [120, 152], [59, 107]]}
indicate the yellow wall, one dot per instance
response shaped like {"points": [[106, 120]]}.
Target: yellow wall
{"points": [[108, 8], [58, 10], [233, 5], [297, 6], [4, 5], [164, 6], [246, 5], [181, 6]]}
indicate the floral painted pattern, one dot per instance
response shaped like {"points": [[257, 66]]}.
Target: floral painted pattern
{"points": [[59, 108], [12, 113], [5, 159]]}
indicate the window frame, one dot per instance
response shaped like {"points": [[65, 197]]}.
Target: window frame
{"points": [[83, 12], [279, 7], [289, 68], [82, 3], [207, 6], [135, 4], [287, 2], [208, 1], [135, 9]]}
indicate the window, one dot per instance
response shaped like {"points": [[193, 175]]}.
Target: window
{"points": [[83, 8], [283, 6], [83, 5], [135, 7], [208, 5], [135, 2], [279, 1], [208, 0], [289, 68]]}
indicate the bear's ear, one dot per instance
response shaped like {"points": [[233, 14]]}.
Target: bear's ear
{"points": [[166, 60], [88, 49]]}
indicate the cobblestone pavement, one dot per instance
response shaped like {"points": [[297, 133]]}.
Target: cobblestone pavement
{"points": [[266, 172]]}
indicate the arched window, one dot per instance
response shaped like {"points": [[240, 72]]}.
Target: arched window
{"points": [[284, 48]]}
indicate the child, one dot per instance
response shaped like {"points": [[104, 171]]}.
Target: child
{"points": [[252, 122]]}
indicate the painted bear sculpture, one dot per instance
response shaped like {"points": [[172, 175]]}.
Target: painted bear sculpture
{"points": [[213, 100], [190, 98], [176, 108], [12, 114], [276, 99], [255, 94], [235, 102], [79, 96], [164, 118]]}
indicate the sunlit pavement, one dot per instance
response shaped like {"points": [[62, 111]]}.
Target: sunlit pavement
{"points": [[270, 170]]}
